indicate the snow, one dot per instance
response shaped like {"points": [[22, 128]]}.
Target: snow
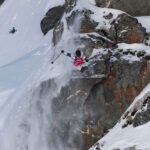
{"points": [[99, 13], [103, 23], [92, 2], [25, 117], [144, 20], [4, 95], [25, 16], [135, 48], [98, 51], [15, 73], [24, 63]]}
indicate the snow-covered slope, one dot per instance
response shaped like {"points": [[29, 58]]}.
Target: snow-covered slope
{"points": [[144, 20], [25, 16], [24, 62]]}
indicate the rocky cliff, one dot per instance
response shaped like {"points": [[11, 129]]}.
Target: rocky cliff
{"points": [[133, 7], [118, 48], [135, 121]]}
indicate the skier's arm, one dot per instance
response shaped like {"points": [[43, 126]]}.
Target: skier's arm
{"points": [[65, 53]]}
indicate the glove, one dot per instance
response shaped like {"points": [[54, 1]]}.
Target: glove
{"points": [[86, 60], [68, 54], [62, 51]]}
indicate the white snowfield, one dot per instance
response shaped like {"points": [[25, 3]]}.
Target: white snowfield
{"points": [[25, 16], [144, 20], [25, 61]]}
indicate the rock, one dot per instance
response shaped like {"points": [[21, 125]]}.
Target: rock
{"points": [[95, 104], [110, 98], [101, 3], [140, 53], [54, 15], [70, 105], [147, 57], [72, 18], [129, 120], [109, 16], [1, 1], [133, 7], [86, 25], [126, 29], [69, 5], [131, 148], [143, 116], [86, 108], [51, 19]]}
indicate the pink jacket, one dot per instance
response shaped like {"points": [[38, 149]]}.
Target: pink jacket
{"points": [[78, 61]]}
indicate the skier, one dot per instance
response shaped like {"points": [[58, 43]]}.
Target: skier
{"points": [[13, 30], [78, 58]]}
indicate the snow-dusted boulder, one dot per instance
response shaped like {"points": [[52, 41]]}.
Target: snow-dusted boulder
{"points": [[127, 29], [51, 18]]}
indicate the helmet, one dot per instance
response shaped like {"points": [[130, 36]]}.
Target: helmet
{"points": [[78, 53]]}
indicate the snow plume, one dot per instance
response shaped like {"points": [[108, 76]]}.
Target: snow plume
{"points": [[30, 125], [77, 23], [26, 120]]}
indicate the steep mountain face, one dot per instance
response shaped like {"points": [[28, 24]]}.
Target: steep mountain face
{"points": [[58, 107], [87, 108], [133, 7]]}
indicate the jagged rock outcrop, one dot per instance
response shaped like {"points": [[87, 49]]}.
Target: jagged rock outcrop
{"points": [[51, 18], [87, 108], [54, 15], [70, 4], [139, 114], [126, 29], [133, 7]]}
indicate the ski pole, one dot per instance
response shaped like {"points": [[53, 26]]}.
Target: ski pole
{"points": [[56, 58]]}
